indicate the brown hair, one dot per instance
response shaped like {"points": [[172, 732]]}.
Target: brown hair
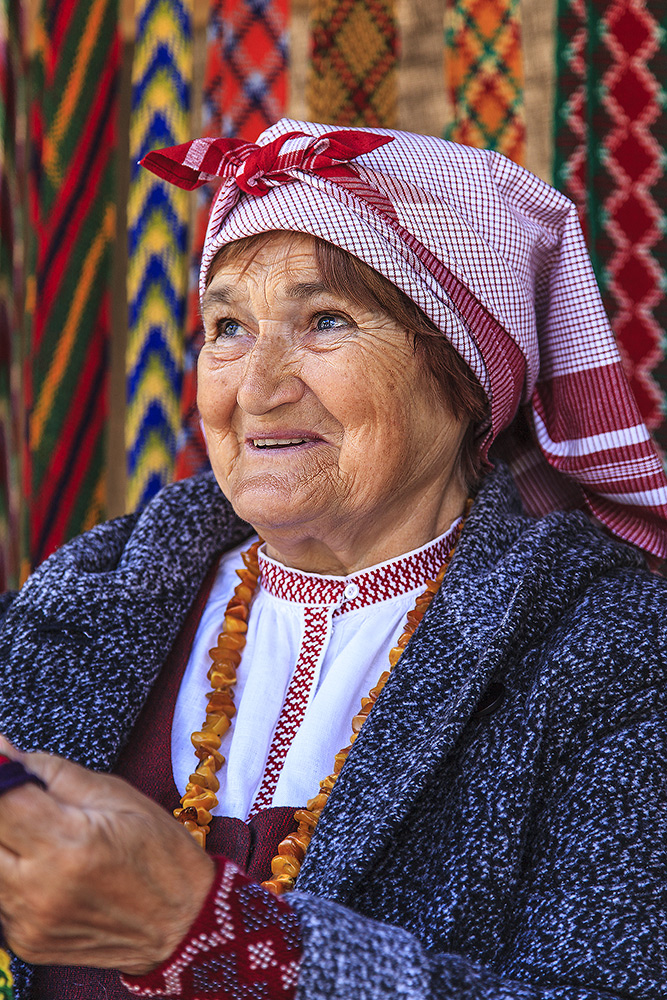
{"points": [[350, 277]]}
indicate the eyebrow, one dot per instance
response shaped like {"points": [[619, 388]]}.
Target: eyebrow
{"points": [[226, 294], [308, 289]]}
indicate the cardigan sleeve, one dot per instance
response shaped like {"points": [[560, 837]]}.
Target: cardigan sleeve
{"points": [[590, 919]]}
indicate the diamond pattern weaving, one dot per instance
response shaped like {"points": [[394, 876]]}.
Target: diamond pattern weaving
{"points": [[484, 73]]}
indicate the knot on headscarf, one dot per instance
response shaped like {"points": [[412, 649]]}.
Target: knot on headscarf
{"points": [[256, 169]]}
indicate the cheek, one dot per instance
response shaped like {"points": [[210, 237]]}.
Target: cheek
{"points": [[216, 394]]}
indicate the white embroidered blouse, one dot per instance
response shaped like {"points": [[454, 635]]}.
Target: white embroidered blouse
{"points": [[315, 647]]}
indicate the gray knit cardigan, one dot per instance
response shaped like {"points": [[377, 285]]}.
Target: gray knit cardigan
{"points": [[500, 829]]}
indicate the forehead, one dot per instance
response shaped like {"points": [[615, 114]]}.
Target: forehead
{"points": [[286, 251], [284, 264]]}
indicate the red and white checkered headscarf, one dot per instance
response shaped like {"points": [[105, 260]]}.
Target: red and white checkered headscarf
{"points": [[496, 258]]}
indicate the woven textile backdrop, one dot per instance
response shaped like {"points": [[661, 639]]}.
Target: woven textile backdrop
{"points": [[571, 88]]}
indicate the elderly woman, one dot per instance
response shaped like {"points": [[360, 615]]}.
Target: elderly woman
{"points": [[403, 342]]}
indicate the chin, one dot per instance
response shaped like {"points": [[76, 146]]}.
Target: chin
{"points": [[267, 509]]}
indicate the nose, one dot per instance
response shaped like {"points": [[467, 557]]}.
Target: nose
{"points": [[270, 377]]}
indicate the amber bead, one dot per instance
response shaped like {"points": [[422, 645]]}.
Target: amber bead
{"points": [[281, 865], [340, 759], [234, 643], [186, 815], [218, 678], [207, 741], [247, 578], [198, 834], [199, 798], [238, 611], [225, 674], [306, 817], [218, 724], [206, 779], [294, 845], [221, 700], [221, 655], [206, 752], [279, 884], [395, 655], [234, 624], [357, 722], [317, 802]]}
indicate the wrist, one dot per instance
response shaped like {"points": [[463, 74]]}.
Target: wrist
{"points": [[243, 940]]}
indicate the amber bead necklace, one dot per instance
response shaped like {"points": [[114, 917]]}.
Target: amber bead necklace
{"points": [[200, 798]]}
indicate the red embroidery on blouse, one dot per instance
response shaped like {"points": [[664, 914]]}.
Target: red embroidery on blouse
{"points": [[295, 704], [319, 594], [370, 586]]}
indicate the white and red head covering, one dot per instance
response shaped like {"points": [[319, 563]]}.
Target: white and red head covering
{"points": [[496, 258]]}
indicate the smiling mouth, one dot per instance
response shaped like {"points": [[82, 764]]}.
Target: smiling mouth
{"points": [[280, 442]]}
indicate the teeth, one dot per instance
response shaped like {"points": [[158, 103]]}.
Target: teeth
{"points": [[276, 442]]}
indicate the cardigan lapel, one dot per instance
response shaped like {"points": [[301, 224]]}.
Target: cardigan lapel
{"points": [[484, 612], [92, 627], [426, 703]]}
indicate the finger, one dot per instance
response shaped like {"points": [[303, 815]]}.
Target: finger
{"points": [[72, 784], [13, 774], [76, 786]]}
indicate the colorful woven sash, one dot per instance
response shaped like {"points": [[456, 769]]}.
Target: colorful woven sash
{"points": [[485, 75], [158, 246], [12, 169], [245, 89], [72, 198], [610, 153], [354, 47]]}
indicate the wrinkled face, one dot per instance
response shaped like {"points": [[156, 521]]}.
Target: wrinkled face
{"points": [[318, 416]]}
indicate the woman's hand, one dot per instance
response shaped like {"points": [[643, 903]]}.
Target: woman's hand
{"points": [[92, 872]]}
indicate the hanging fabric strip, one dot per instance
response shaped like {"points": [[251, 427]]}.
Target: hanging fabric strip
{"points": [[610, 155], [484, 75], [245, 90], [354, 49], [12, 198], [73, 113], [157, 271], [6, 992]]}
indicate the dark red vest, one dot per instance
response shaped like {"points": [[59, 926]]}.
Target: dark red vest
{"points": [[251, 845]]}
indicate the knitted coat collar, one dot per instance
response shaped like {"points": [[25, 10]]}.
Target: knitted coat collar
{"points": [[91, 628]]}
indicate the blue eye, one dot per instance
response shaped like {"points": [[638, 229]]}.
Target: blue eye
{"points": [[228, 328], [327, 321]]}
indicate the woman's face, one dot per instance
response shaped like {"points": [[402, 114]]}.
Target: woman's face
{"points": [[323, 428]]}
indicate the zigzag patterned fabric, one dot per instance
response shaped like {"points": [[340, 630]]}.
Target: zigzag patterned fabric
{"points": [[484, 75], [353, 70], [6, 991], [72, 184], [245, 90], [12, 172], [157, 273], [610, 155]]}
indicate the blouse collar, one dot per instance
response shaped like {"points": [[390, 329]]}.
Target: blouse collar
{"points": [[358, 590]]}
